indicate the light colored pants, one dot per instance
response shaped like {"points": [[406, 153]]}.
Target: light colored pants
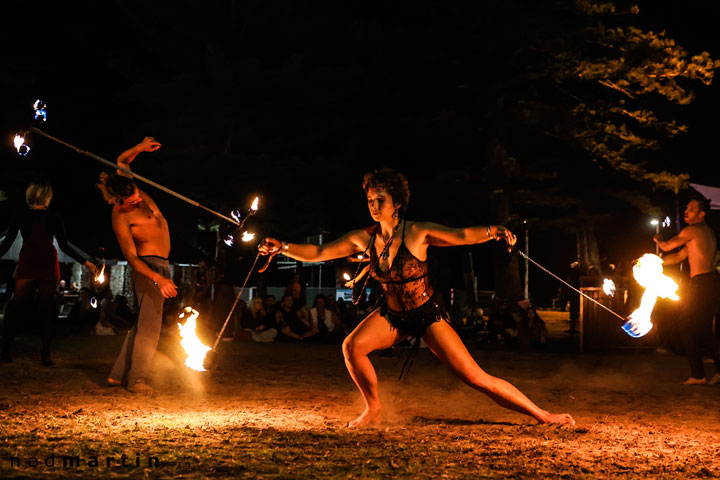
{"points": [[133, 363]]}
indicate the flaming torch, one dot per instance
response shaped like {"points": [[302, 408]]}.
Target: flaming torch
{"points": [[648, 272], [194, 348]]}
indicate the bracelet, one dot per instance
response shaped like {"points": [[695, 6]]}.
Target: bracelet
{"points": [[285, 247]]}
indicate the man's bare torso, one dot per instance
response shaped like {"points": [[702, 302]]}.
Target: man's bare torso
{"points": [[148, 227], [701, 249]]}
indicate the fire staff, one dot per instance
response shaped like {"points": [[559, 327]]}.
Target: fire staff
{"points": [[398, 261]]}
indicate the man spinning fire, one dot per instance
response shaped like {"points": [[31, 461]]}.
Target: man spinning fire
{"points": [[144, 238], [397, 249], [701, 301]]}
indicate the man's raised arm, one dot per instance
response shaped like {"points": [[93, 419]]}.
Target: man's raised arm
{"points": [[149, 144]]}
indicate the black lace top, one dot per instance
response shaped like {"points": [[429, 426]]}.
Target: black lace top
{"points": [[406, 283]]}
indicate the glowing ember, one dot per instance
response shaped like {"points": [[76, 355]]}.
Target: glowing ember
{"points": [[101, 276], [608, 287], [648, 272], [255, 204], [20, 144], [346, 276], [361, 257], [194, 348], [247, 236]]}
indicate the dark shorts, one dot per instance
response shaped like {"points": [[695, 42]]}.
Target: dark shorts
{"points": [[415, 322]]}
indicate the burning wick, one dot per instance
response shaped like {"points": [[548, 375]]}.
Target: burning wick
{"points": [[93, 302], [247, 236], [648, 272], [20, 145], [40, 110], [101, 276], [194, 348], [609, 287]]}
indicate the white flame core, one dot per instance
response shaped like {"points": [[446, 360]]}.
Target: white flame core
{"points": [[608, 287], [648, 272], [194, 348], [346, 277], [255, 204], [247, 236]]}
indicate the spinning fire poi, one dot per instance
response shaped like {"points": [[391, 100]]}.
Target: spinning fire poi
{"points": [[397, 249]]}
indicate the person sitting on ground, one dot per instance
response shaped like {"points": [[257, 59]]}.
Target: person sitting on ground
{"points": [[326, 321], [291, 325], [264, 330]]}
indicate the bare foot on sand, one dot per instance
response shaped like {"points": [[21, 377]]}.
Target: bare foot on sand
{"points": [[694, 381], [369, 418], [715, 379], [559, 418]]}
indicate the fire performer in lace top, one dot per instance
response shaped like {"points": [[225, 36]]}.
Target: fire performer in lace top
{"points": [[701, 301], [144, 238], [398, 257]]}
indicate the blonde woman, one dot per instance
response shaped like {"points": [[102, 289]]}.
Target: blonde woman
{"points": [[38, 270]]}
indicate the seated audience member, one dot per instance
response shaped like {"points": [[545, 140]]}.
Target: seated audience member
{"points": [[501, 324], [291, 325], [83, 315], [532, 329], [326, 321], [264, 330]]}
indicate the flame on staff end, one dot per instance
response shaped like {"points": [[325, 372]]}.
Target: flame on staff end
{"points": [[255, 205], [101, 276], [40, 110], [229, 240], [194, 348], [247, 236], [608, 287], [346, 277], [666, 222], [20, 145], [648, 272]]}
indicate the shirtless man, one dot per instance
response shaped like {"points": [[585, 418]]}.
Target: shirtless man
{"points": [[698, 247], [144, 238]]}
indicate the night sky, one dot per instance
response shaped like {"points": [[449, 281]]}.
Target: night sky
{"points": [[295, 101]]}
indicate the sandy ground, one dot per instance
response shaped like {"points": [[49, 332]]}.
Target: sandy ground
{"points": [[279, 410]]}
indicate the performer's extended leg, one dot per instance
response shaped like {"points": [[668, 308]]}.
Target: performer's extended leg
{"points": [[373, 333], [446, 344]]}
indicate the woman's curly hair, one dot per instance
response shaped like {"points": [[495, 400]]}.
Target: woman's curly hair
{"points": [[394, 183], [115, 188]]}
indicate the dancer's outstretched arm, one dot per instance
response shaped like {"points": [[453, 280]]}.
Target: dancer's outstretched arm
{"points": [[348, 244]]}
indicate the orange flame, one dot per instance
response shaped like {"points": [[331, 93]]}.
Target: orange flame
{"points": [[255, 204], [194, 348], [101, 276], [648, 272]]}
